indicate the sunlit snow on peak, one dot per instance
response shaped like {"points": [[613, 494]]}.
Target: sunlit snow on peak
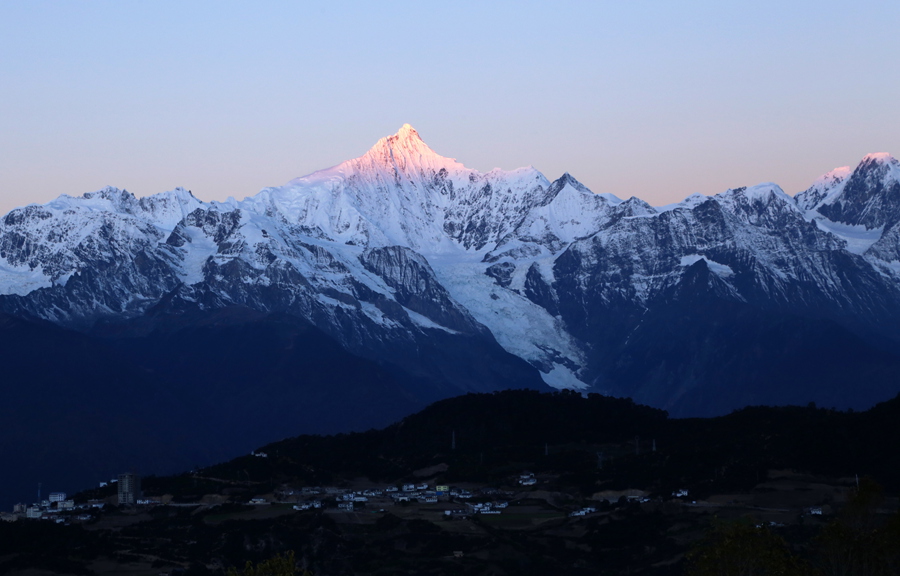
{"points": [[835, 175], [884, 162], [880, 157], [407, 131]]}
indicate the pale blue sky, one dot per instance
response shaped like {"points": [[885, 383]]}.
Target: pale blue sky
{"points": [[652, 99]]}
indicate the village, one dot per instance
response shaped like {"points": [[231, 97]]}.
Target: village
{"points": [[425, 515], [451, 501], [521, 497], [60, 509], [357, 503], [408, 499]]}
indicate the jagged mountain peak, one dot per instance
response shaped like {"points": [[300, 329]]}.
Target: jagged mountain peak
{"points": [[109, 198], [565, 180], [878, 166], [182, 194], [405, 152], [120, 201], [869, 196], [109, 193], [568, 180], [407, 132], [824, 190], [827, 188], [764, 192], [834, 176], [634, 206], [760, 195], [406, 138], [879, 157]]}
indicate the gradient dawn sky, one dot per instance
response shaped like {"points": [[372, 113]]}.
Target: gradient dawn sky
{"points": [[652, 99]]}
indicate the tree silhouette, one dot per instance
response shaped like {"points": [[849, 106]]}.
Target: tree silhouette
{"points": [[858, 543], [280, 565], [743, 549]]}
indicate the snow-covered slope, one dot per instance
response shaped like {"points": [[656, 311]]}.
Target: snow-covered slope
{"points": [[399, 247]]}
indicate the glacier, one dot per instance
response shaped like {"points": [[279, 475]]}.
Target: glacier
{"points": [[384, 250]]}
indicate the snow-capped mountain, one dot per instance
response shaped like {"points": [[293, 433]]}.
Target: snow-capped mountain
{"points": [[409, 258]]}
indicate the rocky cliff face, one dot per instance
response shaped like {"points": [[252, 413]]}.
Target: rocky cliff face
{"points": [[409, 258]]}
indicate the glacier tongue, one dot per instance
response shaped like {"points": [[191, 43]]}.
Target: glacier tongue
{"points": [[858, 238], [522, 327]]}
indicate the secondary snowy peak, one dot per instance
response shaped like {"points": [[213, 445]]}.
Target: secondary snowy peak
{"points": [[879, 158], [824, 190], [163, 210], [836, 176], [565, 212], [108, 199], [869, 197], [568, 180], [880, 168]]}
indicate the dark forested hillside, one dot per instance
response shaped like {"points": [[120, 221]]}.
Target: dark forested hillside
{"points": [[615, 488], [494, 433]]}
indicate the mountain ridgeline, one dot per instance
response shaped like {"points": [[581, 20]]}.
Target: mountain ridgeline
{"points": [[355, 295], [488, 437]]}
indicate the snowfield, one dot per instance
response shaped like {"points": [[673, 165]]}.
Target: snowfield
{"points": [[509, 252]]}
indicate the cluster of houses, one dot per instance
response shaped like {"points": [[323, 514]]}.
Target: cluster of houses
{"points": [[58, 508], [49, 509], [487, 507], [582, 512], [423, 493], [308, 498]]}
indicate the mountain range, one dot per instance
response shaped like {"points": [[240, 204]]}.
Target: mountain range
{"points": [[357, 294]]}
